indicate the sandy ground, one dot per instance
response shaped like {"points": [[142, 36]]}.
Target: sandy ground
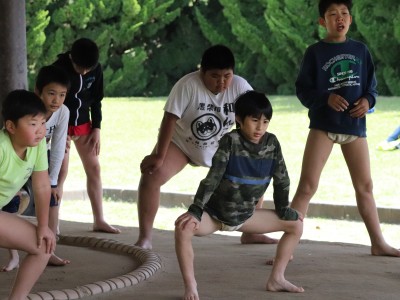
{"points": [[225, 269]]}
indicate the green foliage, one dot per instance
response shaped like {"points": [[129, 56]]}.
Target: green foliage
{"points": [[379, 24], [274, 36], [178, 53], [126, 32], [292, 26], [129, 79], [213, 24], [37, 19], [147, 45], [246, 32]]}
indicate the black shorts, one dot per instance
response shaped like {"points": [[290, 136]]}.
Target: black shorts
{"points": [[12, 206]]}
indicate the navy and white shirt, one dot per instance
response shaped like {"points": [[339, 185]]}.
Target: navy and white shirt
{"points": [[345, 69]]}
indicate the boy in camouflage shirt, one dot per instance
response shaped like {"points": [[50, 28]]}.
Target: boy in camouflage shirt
{"points": [[242, 168]]}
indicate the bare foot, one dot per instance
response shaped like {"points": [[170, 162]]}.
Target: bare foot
{"points": [[104, 227], [191, 293], [283, 286], [271, 261], [57, 261], [253, 238], [144, 244], [384, 250], [12, 264]]}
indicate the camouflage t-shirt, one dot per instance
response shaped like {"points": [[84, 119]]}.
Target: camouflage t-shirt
{"points": [[240, 174]]}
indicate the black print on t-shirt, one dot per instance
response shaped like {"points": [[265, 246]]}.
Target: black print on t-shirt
{"points": [[206, 127]]}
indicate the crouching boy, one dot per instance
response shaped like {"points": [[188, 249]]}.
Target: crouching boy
{"points": [[246, 161]]}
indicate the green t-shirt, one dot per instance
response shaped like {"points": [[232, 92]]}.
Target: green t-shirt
{"points": [[14, 171]]}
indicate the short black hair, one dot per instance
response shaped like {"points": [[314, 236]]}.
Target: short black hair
{"points": [[20, 103], [85, 53], [324, 4], [254, 104], [51, 74], [217, 57]]}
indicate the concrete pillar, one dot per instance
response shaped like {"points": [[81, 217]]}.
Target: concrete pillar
{"points": [[13, 61]]}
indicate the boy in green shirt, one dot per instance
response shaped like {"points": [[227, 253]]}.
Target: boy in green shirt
{"points": [[23, 154]]}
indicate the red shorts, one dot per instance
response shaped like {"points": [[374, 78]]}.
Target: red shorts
{"points": [[79, 130]]}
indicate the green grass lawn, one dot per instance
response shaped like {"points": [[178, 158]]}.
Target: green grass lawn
{"points": [[130, 128]]}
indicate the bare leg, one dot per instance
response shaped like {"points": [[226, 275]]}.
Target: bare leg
{"points": [[13, 262], [316, 153], [264, 221], [256, 238], [62, 176], [271, 261], [94, 187], [53, 225], [34, 262], [147, 206], [185, 254], [276, 281], [149, 192], [54, 213], [357, 159], [53, 218]]}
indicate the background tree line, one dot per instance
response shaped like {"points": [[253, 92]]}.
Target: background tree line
{"points": [[147, 45]]}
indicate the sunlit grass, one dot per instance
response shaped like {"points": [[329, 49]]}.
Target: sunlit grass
{"points": [[130, 128]]}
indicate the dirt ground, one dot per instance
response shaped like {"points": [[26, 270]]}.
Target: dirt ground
{"points": [[225, 269]]}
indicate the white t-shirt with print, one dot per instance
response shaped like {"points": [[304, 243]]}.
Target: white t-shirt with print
{"points": [[203, 116]]}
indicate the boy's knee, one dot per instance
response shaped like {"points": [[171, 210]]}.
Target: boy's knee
{"points": [[294, 227], [179, 232], [46, 256], [40, 252], [184, 233], [146, 182], [93, 171], [156, 179], [298, 228], [364, 189], [308, 189]]}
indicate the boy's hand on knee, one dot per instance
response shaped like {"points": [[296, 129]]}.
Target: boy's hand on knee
{"points": [[94, 141], [186, 219], [289, 214], [44, 233], [150, 164]]}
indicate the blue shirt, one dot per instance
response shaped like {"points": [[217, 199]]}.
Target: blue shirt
{"points": [[345, 69]]}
